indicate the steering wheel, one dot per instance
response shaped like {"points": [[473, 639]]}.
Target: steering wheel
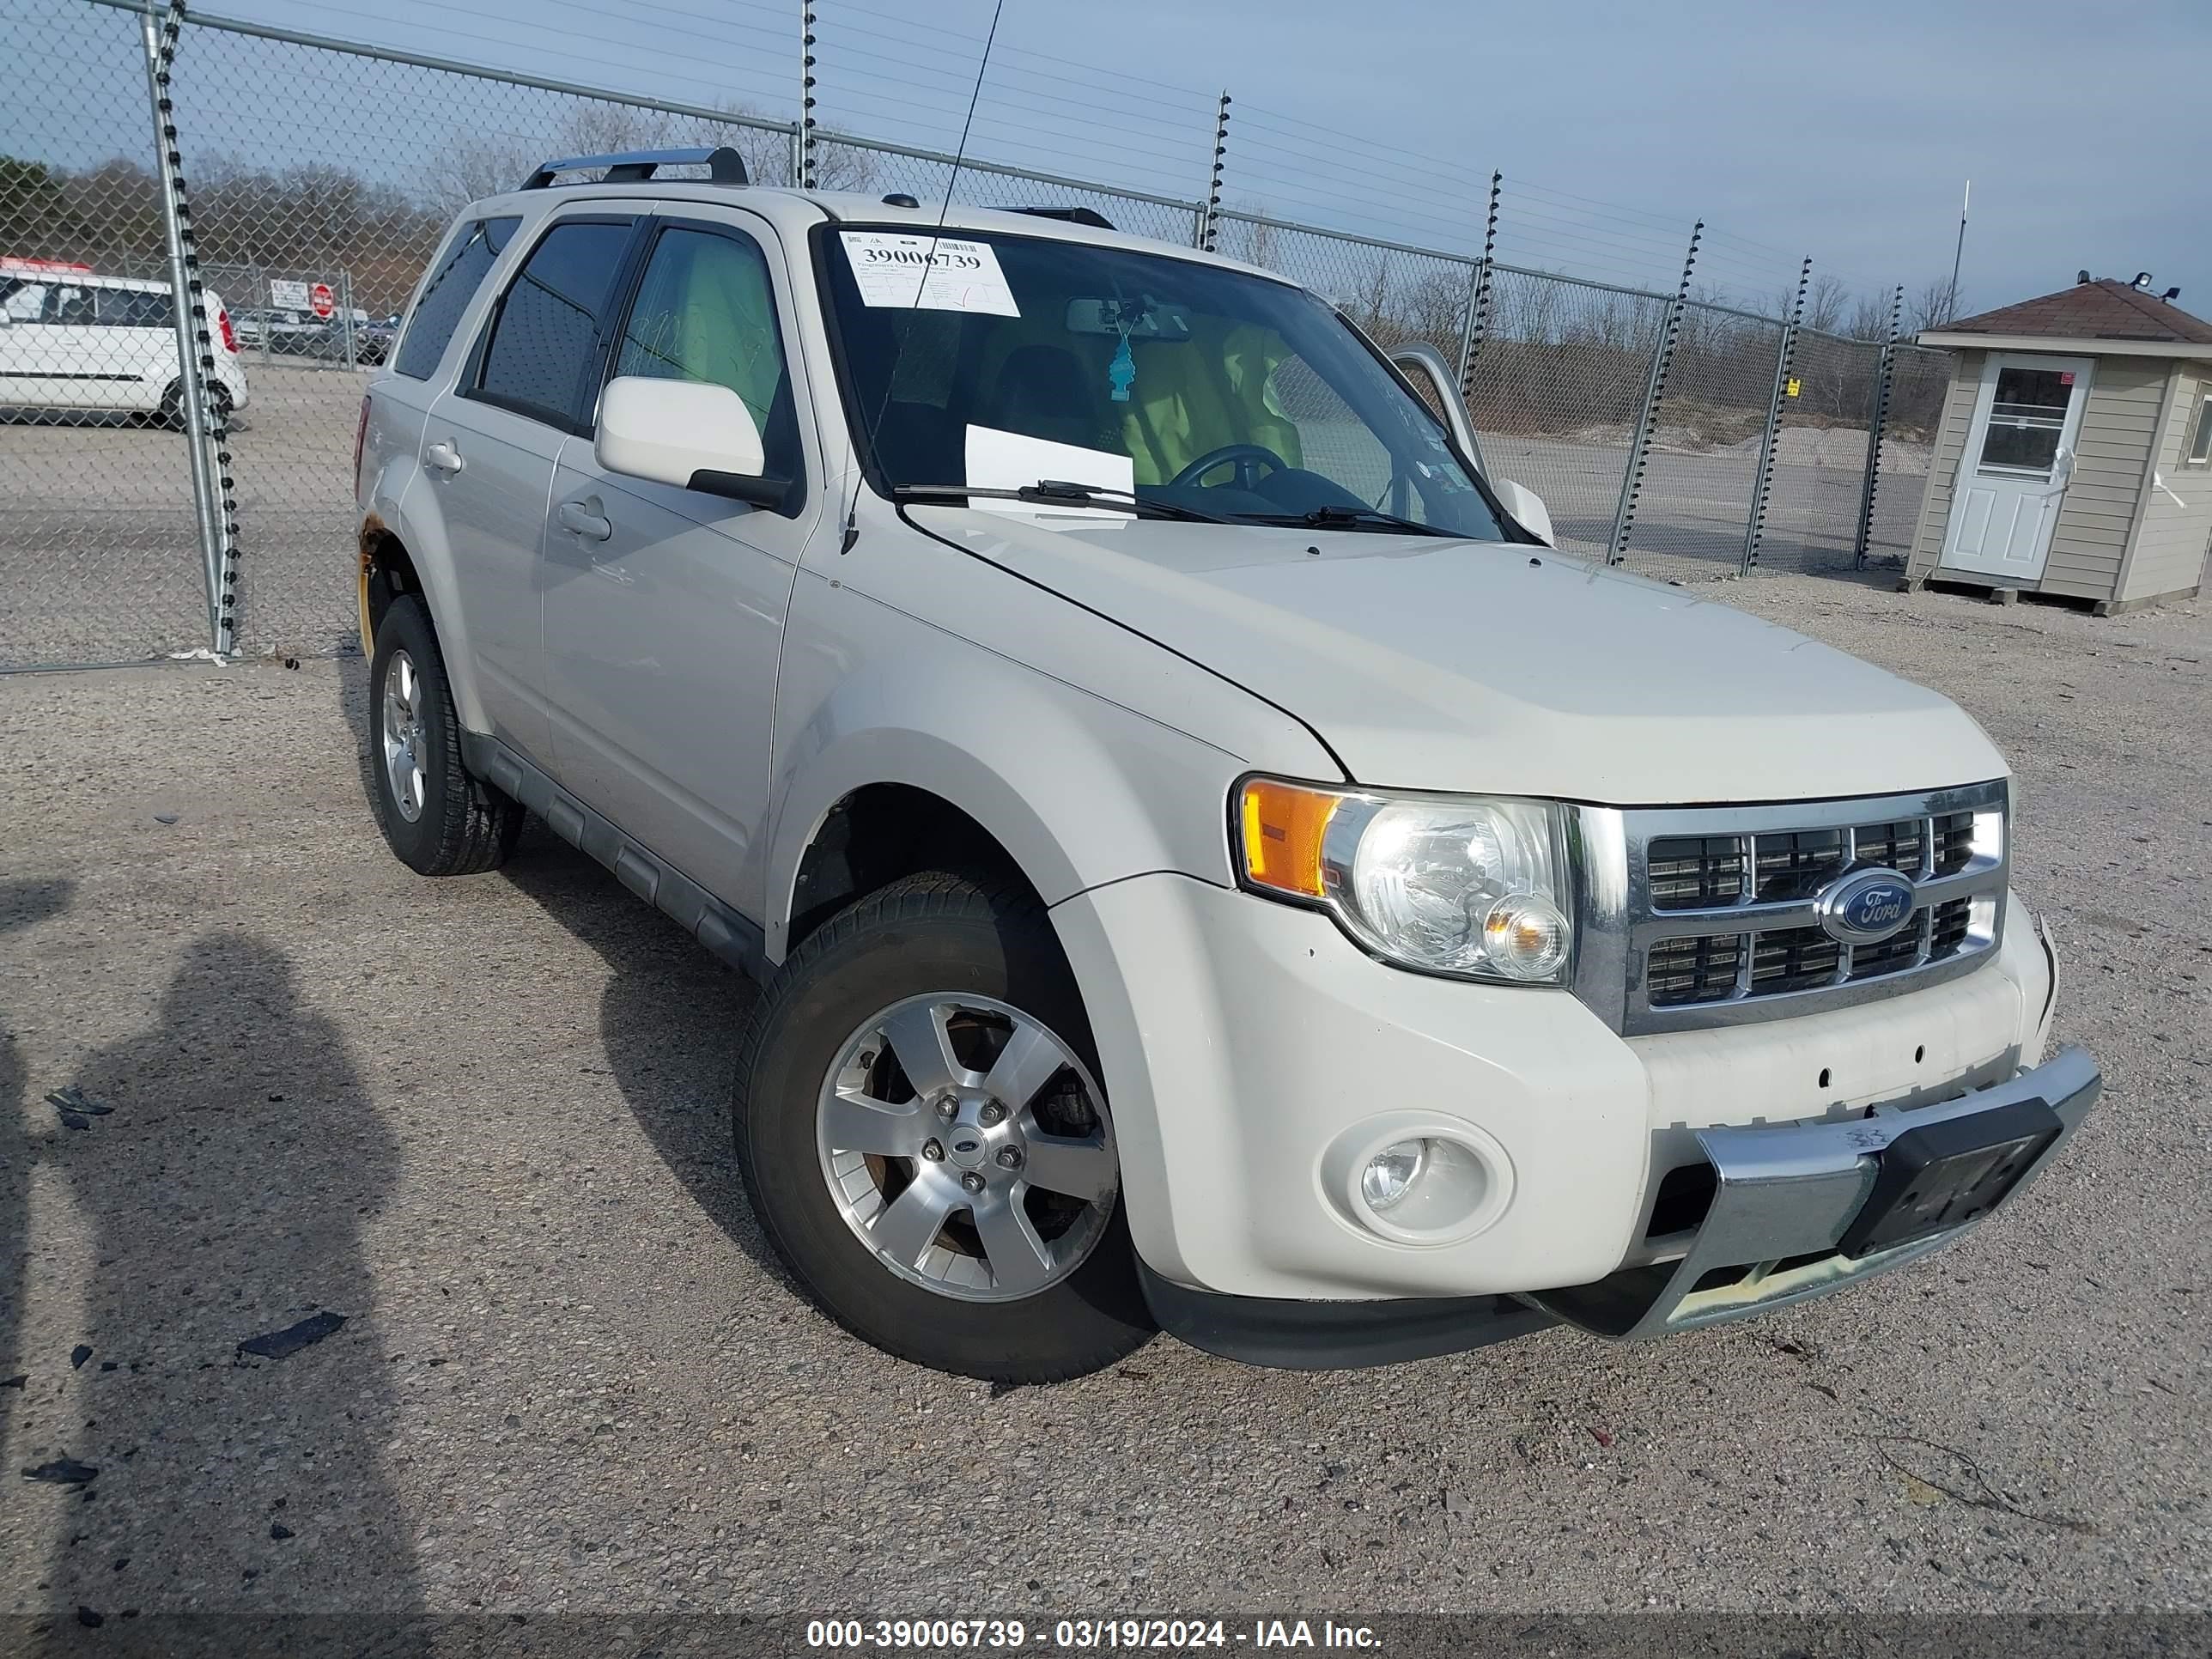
{"points": [[1248, 458]]}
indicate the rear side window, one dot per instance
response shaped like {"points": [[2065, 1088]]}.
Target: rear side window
{"points": [[542, 357], [447, 294]]}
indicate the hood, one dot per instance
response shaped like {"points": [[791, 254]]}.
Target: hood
{"points": [[1504, 668]]}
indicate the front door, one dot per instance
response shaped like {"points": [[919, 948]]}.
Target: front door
{"points": [[665, 606], [2019, 453]]}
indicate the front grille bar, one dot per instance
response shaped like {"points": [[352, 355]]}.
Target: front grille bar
{"points": [[1957, 913]]}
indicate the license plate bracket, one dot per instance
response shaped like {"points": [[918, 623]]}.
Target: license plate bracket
{"points": [[1944, 1174]]}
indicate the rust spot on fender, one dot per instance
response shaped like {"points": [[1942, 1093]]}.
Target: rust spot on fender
{"points": [[373, 531]]}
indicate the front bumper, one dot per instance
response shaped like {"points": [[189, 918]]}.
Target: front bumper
{"points": [[1255, 1057], [1784, 1197]]}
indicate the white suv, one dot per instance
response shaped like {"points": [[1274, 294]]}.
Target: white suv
{"points": [[1210, 862], [73, 341]]}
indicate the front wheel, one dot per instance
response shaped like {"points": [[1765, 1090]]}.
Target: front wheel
{"points": [[921, 1130]]}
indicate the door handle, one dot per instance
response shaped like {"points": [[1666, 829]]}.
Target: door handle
{"points": [[577, 519], [442, 456]]}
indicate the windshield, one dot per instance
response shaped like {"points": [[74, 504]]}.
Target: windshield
{"points": [[1199, 389]]}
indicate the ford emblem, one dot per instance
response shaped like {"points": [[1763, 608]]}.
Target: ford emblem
{"points": [[1865, 906]]}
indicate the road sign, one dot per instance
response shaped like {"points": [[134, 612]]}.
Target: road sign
{"points": [[287, 296], [321, 300]]}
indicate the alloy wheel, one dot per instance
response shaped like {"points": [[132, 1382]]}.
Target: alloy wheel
{"points": [[967, 1147]]}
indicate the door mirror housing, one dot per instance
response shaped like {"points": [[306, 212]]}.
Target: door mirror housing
{"points": [[1527, 507], [689, 433]]}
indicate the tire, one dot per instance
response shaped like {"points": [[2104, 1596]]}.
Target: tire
{"points": [[442, 822], [987, 955], [171, 415]]}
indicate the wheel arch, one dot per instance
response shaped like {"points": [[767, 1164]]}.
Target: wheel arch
{"points": [[397, 555], [1068, 790]]}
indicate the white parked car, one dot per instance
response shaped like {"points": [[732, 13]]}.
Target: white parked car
{"points": [[75, 341], [1211, 862]]}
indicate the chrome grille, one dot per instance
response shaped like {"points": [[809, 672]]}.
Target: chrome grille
{"points": [[1704, 916]]}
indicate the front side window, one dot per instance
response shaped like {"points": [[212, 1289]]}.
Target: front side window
{"points": [[460, 273], [706, 311], [71, 307], [22, 300], [132, 307], [542, 357], [1224, 394], [2200, 445]]}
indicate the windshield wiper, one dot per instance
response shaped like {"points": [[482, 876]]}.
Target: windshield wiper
{"points": [[1333, 517], [1058, 492]]}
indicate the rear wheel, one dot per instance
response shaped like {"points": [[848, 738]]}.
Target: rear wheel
{"points": [[921, 1129], [440, 820]]}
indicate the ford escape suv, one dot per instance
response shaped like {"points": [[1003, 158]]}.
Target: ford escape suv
{"points": [[1210, 863]]}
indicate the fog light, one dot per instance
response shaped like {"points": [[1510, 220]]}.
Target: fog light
{"points": [[1391, 1173]]}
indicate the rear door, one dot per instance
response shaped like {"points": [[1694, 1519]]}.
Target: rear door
{"points": [[490, 446], [665, 606]]}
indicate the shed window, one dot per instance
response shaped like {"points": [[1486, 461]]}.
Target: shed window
{"points": [[2200, 445], [2027, 416]]}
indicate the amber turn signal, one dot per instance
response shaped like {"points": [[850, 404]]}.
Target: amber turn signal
{"points": [[1284, 827]]}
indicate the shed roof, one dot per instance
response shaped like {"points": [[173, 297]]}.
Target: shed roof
{"points": [[2105, 315]]}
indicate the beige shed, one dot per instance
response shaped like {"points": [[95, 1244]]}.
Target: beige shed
{"points": [[2073, 456]]}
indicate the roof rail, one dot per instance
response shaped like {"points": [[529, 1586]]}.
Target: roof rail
{"points": [[1073, 216], [633, 167]]}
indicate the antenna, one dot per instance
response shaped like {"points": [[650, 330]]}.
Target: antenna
{"points": [[921, 287], [1951, 297]]}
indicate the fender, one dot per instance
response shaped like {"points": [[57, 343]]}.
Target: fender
{"points": [[1065, 781]]}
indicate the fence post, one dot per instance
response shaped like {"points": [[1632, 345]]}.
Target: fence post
{"points": [[191, 322], [1478, 300], [1763, 481], [1206, 219], [1655, 387], [345, 310], [1880, 419], [803, 175]]}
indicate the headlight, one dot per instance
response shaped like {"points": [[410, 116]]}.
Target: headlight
{"points": [[1474, 885]]}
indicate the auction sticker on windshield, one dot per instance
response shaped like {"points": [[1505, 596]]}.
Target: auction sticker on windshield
{"points": [[933, 273]]}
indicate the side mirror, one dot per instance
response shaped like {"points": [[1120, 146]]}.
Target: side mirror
{"points": [[1527, 507], [685, 433]]}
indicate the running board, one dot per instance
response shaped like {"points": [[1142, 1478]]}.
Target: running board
{"points": [[730, 936]]}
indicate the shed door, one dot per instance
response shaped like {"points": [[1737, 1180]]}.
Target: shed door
{"points": [[2019, 453]]}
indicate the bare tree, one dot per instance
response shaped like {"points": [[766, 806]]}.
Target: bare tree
{"points": [[1931, 305], [1870, 318], [1824, 300]]}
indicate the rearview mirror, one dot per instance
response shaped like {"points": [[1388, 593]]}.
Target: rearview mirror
{"points": [[686, 433], [1527, 507], [1145, 319]]}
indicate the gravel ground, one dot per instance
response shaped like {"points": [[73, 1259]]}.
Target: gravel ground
{"points": [[484, 1120]]}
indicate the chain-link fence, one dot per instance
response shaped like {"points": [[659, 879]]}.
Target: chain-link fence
{"points": [[322, 174], [99, 549]]}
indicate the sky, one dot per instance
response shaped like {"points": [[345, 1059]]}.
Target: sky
{"points": [[1845, 132]]}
